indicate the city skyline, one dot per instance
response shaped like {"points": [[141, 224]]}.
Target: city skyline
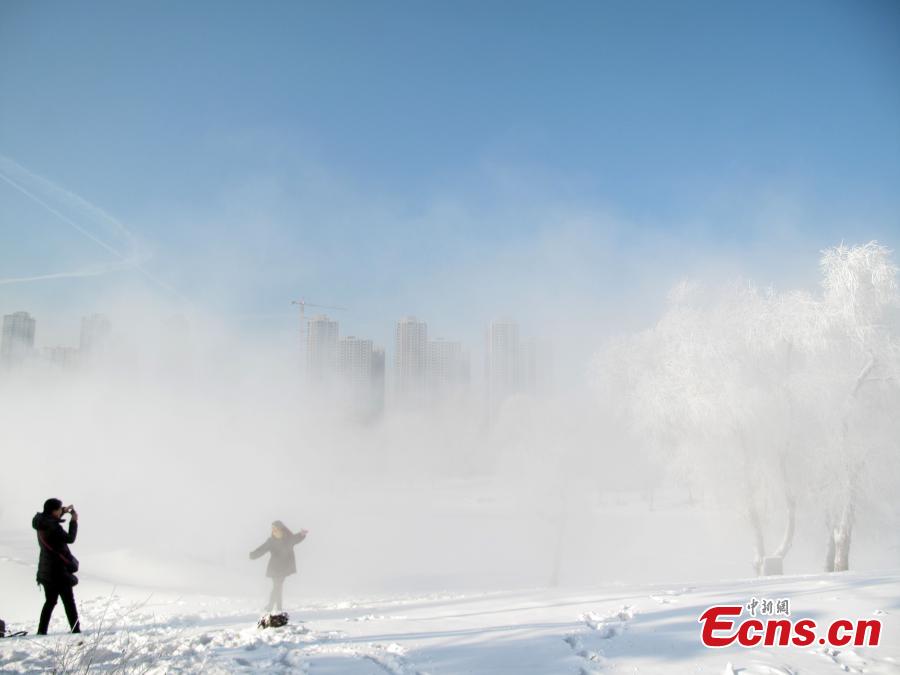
{"points": [[322, 343], [425, 371]]}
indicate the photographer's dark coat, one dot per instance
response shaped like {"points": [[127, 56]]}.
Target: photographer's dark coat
{"points": [[56, 563], [282, 562]]}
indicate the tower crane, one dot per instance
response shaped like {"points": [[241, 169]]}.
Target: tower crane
{"points": [[303, 305]]}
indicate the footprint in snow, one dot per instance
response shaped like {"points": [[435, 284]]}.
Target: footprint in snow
{"points": [[757, 668], [663, 600], [668, 597], [392, 659], [847, 659], [592, 660], [611, 625]]}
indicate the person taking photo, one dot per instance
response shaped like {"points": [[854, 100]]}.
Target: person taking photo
{"points": [[56, 565]]}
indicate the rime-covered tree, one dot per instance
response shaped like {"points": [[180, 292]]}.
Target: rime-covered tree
{"points": [[861, 391], [764, 399], [710, 387]]}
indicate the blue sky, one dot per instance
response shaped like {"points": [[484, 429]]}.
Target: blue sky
{"points": [[457, 160]]}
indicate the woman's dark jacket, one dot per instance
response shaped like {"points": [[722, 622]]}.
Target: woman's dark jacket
{"points": [[56, 564], [282, 562]]}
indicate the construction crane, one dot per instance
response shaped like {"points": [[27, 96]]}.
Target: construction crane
{"points": [[303, 305]]}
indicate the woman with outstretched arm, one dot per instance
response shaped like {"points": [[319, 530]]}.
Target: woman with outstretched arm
{"points": [[282, 563]]}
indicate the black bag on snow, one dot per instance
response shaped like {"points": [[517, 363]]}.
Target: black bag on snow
{"points": [[273, 621], [3, 634]]}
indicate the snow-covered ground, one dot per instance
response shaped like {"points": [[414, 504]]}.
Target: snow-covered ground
{"points": [[645, 628], [146, 609]]}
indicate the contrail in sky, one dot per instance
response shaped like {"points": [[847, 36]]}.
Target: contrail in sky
{"points": [[132, 259], [94, 271], [62, 217]]}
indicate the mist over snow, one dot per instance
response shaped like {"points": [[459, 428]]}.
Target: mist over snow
{"points": [[568, 529], [188, 437]]}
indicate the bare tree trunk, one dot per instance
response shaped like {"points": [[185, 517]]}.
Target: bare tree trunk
{"points": [[838, 547], [758, 540], [842, 537], [787, 539], [829, 544], [759, 544]]}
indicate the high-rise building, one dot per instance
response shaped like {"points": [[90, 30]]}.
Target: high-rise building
{"points": [[378, 379], [95, 330], [535, 373], [65, 358], [448, 366], [17, 343], [362, 377], [410, 357], [503, 361], [356, 357], [322, 357]]}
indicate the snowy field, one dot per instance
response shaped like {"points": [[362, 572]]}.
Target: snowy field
{"points": [[623, 628], [397, 606]]}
